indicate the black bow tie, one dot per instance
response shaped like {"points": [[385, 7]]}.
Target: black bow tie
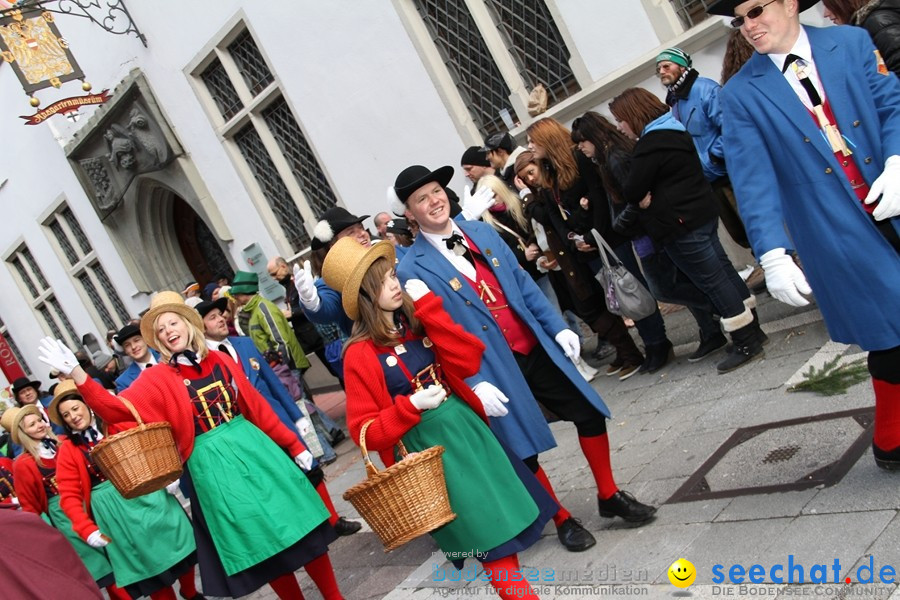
{"points": [[455, 241], [188, 354], [49, 444], [90, 435]]}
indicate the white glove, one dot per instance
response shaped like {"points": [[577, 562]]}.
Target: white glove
{"points": [[14, 501], [55, 354], [302, 424], [491, 398], [172, 488], [784, 279], [474, 205], [430, 397], [416, 288], [97, 539], [568, 339], [304, 460], [306, 286], [888, 187]]}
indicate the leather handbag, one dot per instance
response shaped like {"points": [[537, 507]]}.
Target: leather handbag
{"points": [[624, 294]]}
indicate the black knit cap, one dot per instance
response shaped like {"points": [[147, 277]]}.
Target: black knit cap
{"points": [[475, 155]]}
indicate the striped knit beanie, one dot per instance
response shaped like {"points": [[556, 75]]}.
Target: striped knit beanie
{"points": [[675, 55]]}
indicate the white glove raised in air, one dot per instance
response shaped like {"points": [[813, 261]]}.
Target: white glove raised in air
{"points": [[302, 424], [304, 460], [784, 279], [569, 342], [888, 187], [430, 397], [55, 354], [306, 286], [97, 539], [416, 288], [473, 205], [492, 399]]}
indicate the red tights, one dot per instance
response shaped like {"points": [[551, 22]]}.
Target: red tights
{"points": [[503, 572], [322, 574]]}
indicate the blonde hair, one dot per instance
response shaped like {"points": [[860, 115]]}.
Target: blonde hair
{"points": [[196, 339], [28, 443], [507, 198]]}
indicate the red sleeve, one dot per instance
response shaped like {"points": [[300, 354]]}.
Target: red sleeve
{"points": [[368, 399], [112, 410], [29, 485], [457, 350], [71, 475], [257, 410]]}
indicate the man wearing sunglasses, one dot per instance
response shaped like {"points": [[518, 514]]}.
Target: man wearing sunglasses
{"points": [[812, 135]]}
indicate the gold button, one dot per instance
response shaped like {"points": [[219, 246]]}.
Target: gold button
{"points": [[868, 159], [856, 123], [562, 253], [845, 163], [468, 303], [806, 139], [828, 170]]}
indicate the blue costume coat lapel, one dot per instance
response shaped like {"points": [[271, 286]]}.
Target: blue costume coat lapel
{"points": [[775, 88], [429, 259], [831, 61]]}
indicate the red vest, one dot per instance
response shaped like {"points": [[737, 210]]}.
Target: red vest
{"points": [[848, 165], [519, 337]]}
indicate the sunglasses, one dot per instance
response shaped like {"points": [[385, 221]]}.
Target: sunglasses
{"points": [[753, 13]]}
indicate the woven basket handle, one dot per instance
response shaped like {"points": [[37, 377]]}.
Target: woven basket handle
{"points": [[371, 469], [131, 408]]}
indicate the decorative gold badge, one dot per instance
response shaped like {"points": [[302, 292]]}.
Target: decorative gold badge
{"points": [[427, 342], [487, 251], [495, 262], [254, 364], [455, 284]]}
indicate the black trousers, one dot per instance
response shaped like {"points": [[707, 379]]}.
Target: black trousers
{"points": [[558, 394], [885, 364]]}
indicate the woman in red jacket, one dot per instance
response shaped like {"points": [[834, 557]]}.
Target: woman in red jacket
{"points": [[237, 454], [7, 487], [153, 542], [404, 370], [35, 478]]}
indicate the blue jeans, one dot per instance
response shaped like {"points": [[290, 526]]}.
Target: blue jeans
{"points": [[700, 255], [652, 329], [669, 284]]}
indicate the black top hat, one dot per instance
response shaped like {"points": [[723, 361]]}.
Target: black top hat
{"points": [[207, 305], [412, 178], [23, 382], [726, 7], [129, 331], [333, 221], [500, 140]]}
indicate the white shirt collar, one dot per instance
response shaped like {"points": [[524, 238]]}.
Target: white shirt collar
{"points": [[459, 263], [214, 345], [801, 48]]}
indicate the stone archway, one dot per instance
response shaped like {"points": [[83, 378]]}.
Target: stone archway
{"points": [[199, 246]]}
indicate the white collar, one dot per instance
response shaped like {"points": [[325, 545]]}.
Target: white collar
{"points": [[214, 345], [437, 239], [800, 48]]}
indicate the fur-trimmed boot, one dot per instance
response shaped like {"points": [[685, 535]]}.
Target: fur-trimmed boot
{"points": [[746, 337]]}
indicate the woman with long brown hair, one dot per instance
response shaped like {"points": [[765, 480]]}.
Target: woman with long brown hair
{"points": [[406, 365], [610, 151], [682, 217], [572, 202]]}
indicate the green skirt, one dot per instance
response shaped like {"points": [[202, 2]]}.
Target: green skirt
{"points": [[255, 500], [149, 533], [490, 501], [93, 558]]}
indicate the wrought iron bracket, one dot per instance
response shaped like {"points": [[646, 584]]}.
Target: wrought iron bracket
{"points": [[111, 15]]}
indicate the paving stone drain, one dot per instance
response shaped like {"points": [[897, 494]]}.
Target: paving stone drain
{"points": [[782, 456]]}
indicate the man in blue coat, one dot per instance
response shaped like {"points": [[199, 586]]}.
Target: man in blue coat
{"points": [[528, 348], [812, 138], [244, 352], [142, 355]]}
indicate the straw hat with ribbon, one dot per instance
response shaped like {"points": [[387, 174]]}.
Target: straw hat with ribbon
{"points": [[63, 390], [13, 416], [163, 302], [346, 265]]}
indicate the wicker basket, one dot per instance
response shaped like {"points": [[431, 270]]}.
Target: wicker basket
{"points": [[405, 500], [139, 461]]}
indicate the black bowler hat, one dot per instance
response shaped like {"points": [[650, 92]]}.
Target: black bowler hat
{"points": [[412, 178], [399, 225], [726, 7], [129, 331], [207, 305], [23, 382], [333, 221]]}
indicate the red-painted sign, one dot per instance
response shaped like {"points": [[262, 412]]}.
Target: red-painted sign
{"points": [[8, 362], [65, 105]]}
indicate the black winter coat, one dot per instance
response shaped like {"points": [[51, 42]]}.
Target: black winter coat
{"points": [[881, 18], [665, 163]]}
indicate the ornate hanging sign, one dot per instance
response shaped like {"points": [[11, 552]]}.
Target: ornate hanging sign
{"points": [[32, 45], [64, 106]]}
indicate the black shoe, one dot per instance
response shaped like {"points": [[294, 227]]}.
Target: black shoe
{"points": [[658, 355], [574, 536], [738, 356], [344, 527], [889, 461], [337, 437], [197, 596], [622, 504], [604, 349], [707, 347]]}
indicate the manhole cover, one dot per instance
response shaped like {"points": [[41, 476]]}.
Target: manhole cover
{"points": [[782, 456]]}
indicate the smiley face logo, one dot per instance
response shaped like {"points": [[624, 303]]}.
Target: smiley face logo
{"points": [[682, 573]]}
